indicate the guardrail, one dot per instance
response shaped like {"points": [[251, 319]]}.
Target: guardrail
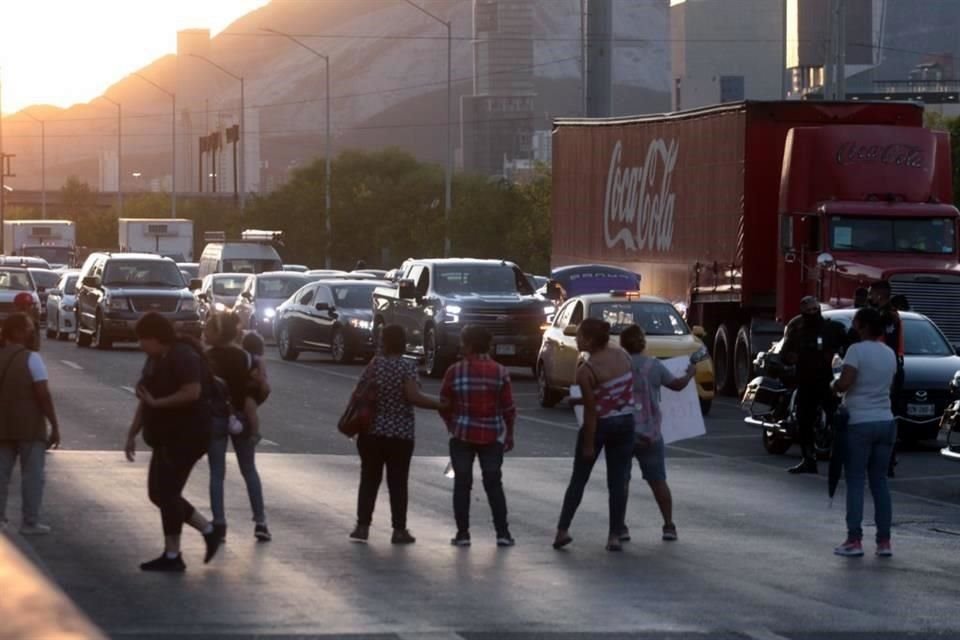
{"points": [[33, 607]]}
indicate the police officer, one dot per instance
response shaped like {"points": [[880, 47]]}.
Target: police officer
{"points": [[880, 299], [811, 343]]}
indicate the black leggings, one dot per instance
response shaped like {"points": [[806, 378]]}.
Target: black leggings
{"points": [[377, 452], [170, 467]]}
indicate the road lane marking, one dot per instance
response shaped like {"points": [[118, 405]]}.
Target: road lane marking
{"points": [[762, 634], [72, 365], [270, 443], [571, 427], [130, 390]]}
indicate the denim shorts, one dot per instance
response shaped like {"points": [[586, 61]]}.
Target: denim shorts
{"points": [[652, 459]]}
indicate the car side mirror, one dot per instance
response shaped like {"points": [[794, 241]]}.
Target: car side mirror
{"points": [[196, 284], [92, 281], [699, 332], [322, 306], [570, 330], [406, 290], [246, 295], [55, 292]]}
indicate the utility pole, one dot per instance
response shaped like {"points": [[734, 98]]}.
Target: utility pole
{"points": [[327, 225], [173, 163], [835, 76], [43, 163], [583, 58], [119, 153], [599, 58]]}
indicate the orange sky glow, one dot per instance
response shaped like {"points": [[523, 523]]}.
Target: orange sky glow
{"points": [[61, 52]]}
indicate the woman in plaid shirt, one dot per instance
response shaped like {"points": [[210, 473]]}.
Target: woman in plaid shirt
{"points": [[477, 405]]}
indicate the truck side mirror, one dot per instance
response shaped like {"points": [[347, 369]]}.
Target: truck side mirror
{"points": [[322, 306], [407, 290], [826, 261], [92, 282]]}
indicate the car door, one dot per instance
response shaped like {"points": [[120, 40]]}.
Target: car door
{"points": [[245, 306], [296, 315], [552, 337], [320, 320], [54, 296], [88, 298], [407, 311], [567, 352]]}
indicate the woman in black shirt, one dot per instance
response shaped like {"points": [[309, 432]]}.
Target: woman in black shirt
{"points": [[175, 419]]}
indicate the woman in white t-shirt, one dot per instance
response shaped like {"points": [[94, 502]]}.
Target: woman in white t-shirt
{"points": [[865, 380]]}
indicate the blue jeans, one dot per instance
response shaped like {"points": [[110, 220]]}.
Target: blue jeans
{"points": [[245, 449], [616, 437], [869, 447], [32, 459]]}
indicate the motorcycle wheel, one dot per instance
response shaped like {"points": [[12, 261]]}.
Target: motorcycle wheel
{"points": [[823, 438], [774, 443]]}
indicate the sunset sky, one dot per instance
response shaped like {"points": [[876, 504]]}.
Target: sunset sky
{"points": [[62, 52]]}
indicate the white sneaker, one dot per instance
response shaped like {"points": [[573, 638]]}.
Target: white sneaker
{"points": [[34, 530]]}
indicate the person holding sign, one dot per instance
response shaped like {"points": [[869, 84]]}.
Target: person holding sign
{"points": [[649, 374], [606, 380]]}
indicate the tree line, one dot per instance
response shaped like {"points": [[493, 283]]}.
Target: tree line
{"points": [[386, 206]]}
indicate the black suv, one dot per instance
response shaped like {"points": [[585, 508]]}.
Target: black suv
{"points": [[434, 299], [117, 289]]}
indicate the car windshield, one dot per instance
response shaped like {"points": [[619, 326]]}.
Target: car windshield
{"points": [[244, 265], [655, 318], [70, 286], [15, 280], [891, 235], [44, 278], [354, 296], [278, 287], [922, 338], [480, 278], [142, 273], [53, 255], [228, 286]]}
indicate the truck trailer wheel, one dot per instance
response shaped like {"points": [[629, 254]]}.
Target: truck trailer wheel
{"points": [[722, 360], [742, 361]]}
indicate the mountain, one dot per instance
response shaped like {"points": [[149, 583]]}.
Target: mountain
{"points": [[388, 79]]}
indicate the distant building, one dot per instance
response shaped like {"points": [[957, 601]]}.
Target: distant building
{"points": [[497, 120], [543, 147], [726, 51]]}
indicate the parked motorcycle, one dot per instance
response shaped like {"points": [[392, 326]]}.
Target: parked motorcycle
{"points": [[950, 422], [771, 401]]}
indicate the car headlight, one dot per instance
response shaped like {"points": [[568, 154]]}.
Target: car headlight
{"points": [[359, 323], [118, 304], [269, 313], [219, 307], [451, 313], [188, 305]]}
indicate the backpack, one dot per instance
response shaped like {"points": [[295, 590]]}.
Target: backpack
{"points": [[646, 413], [223, 415], [361, 410]]}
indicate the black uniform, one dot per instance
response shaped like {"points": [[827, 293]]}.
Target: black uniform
{"points": [[811, 343]]}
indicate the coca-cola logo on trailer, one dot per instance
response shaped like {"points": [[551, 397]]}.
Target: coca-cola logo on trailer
{"points": [[638, 209], [901, 155]]}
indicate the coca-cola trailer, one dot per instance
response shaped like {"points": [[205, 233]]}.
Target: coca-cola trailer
{"points": [[738, 211]]}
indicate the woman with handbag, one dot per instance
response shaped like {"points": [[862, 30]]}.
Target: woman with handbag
{"points": [[389, 440], [232, 364], [175, 419]]}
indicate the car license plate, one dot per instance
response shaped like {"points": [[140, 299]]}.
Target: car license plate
{"points": [[506, 349], [920, 410]]}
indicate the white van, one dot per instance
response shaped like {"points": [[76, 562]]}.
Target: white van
{"points": [[245, 256]]}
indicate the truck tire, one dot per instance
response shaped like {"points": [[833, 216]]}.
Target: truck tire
{"points": [[547, 396], [742, 361], [433, 363], [723, 360]]}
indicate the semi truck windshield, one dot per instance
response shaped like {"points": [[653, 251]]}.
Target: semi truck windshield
{"points": [[893, 235]]}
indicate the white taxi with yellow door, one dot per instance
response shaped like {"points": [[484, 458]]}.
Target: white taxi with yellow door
{"points": [[668, 336]]}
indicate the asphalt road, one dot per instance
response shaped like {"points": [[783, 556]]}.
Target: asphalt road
{"points": [[754, 560]]}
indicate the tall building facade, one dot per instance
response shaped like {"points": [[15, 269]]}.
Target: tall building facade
{"points": [[726, 50], [496, 123]]}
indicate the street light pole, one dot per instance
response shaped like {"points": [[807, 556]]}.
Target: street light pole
{"points": [[448, 177], [243, 128], [327, 225], [173, 164], [43, 163], [119, 153]]}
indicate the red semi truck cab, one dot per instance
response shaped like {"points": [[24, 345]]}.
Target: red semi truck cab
{"points": [[738, 211], [860, 203]]}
